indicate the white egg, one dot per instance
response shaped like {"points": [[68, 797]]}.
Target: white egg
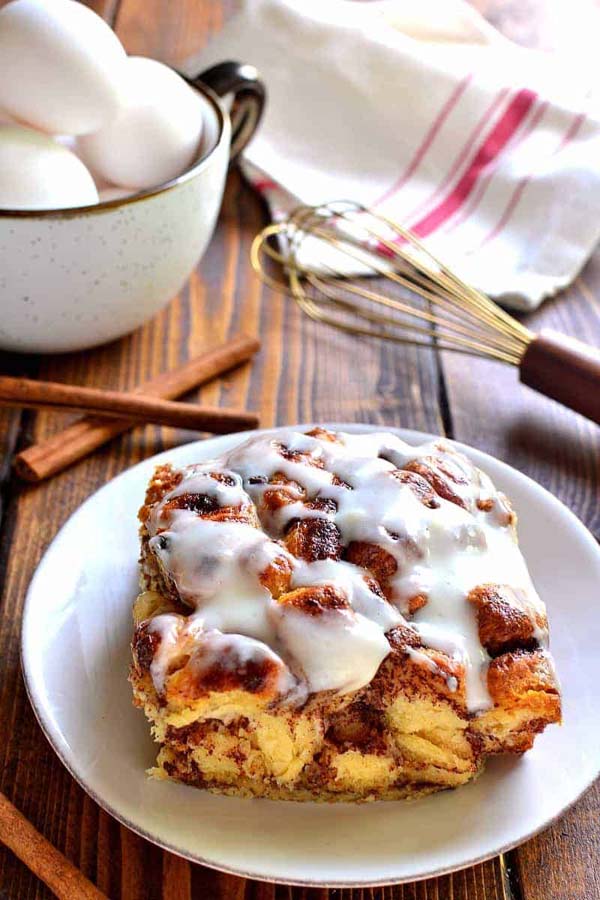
{"points": [[62, 66], [106, 190], [155, 136], [68, 141], [113, 193], [38, 173]]}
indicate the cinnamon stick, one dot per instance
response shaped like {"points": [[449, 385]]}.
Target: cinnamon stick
{"points": [[41, 858], [82, 437], [24, 392]]}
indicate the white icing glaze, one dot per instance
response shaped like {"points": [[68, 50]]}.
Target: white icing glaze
{"points": [[337, 650], [442, 552], [448, 622], [170, 629], [198, 480], [215, 567], [350, 580]]}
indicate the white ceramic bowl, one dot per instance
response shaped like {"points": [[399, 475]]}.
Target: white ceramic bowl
{"points": [[74, 278]]}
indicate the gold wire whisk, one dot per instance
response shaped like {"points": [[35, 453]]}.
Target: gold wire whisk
{"points": [[454, 315], [325, 254]]}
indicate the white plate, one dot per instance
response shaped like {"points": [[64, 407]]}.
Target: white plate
{"points": [[75, 652]]}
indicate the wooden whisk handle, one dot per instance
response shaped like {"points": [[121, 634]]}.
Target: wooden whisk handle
{"points": [[565, 369]]}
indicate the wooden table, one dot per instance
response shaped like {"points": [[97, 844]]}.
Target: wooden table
{"points": [[304, 373]]}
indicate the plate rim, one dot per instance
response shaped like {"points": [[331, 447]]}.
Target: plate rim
{"points": [[55, 742]]}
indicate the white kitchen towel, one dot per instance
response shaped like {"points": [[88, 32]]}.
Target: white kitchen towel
{"points": [[421, 110]]}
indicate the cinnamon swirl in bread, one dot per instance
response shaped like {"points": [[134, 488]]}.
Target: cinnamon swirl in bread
{"points": [[335, 617]]}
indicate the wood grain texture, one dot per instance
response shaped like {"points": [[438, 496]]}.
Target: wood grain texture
{"points": [[42, 857], [303, 373]]}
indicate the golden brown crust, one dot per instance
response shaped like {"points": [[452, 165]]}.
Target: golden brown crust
{"points": [[383, 567], [197, 670], [284, 492], [374, 559], [514, 677], [164, 480], [323, 434], [204, 674], [277, 575], [444, 478], [312, 539], [504, 620], [526, 699], [316, 600], [419, 672], [420, 487], [144, 647]]}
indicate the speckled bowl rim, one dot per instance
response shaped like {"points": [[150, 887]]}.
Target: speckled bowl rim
{"points": [[109, 205]]}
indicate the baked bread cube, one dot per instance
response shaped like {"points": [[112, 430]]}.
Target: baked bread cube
{"points": [[331, 616]]}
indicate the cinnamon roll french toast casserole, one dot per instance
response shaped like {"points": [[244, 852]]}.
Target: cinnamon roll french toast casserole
{"points": [[332, 616]]}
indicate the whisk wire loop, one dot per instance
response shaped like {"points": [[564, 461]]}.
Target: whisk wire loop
{"points": [[347, 238]]}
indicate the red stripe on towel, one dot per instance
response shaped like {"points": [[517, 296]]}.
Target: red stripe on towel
{"points": [[465, 154], [427, 140], [569, 135], [491, 148], [264, 184], [470, 207]]}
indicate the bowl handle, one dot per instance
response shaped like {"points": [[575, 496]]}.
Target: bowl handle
{"points": [[243, 84]]}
